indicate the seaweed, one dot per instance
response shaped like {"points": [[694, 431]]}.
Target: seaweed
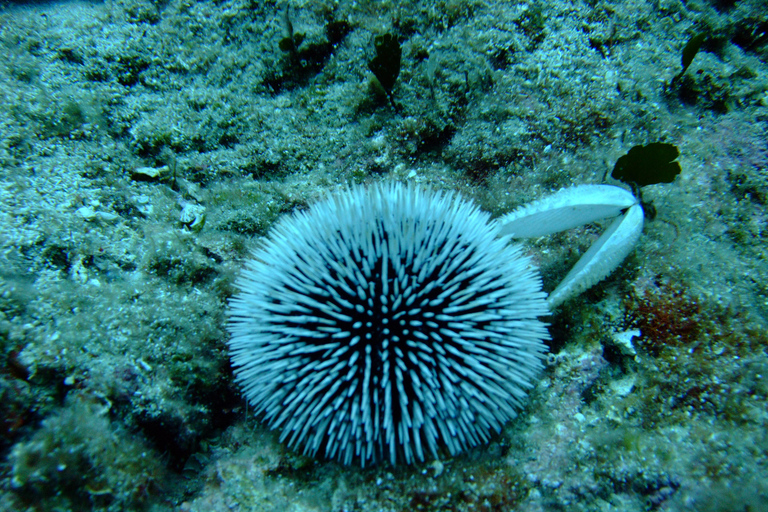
{"points": [[648, 165], [386, 64], [690, 50], [290, 43], [79, 460], [305, 60]]}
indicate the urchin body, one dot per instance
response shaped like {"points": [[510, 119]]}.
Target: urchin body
{"points": [[386, 324]]}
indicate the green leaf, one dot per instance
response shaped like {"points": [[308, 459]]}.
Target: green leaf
{"points": [[648, 165], [386, 65], [691, 49]]}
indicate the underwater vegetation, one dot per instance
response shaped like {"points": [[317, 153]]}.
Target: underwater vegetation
{"points": [[648, 165], [386, 64], [78, 460]]}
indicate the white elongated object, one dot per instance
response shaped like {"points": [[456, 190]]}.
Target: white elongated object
{"points": [[602, 258], [573, 207], [566, 209]]}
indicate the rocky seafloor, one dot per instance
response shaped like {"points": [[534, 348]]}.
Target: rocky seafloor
{"points": [[146, 147]]}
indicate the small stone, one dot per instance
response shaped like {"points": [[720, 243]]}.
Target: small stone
{"points": [[107, 217], [78, 272], [86, 213], [143, 205], [623, 387], [148, 173], [193, 216], [623, 341], [187, 188]]}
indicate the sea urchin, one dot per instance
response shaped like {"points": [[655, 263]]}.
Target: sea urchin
{"points": [[386, 324]]}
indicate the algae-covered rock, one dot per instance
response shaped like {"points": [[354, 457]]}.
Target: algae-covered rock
{"points": [[79, 460]]}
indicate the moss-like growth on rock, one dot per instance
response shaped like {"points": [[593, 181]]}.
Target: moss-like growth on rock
{"points": [[78, 460]]}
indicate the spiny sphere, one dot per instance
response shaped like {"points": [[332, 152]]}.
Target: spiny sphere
{"points": [[387, 324]]}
